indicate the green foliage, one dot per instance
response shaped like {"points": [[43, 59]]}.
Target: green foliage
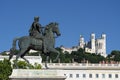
{"points": [[21, 64], [25, 65], [5, 69], [93, 58], [79, 56], [115, 55], [65, 57], [37, 66]]}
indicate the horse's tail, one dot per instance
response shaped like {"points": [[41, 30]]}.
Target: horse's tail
{"points": [[14, 43], [12, 50]]}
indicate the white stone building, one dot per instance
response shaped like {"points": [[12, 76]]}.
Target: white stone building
{"points": [[97, 46], [71, 71], [69, 49]]}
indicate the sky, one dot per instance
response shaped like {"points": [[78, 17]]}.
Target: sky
{"points": [[75, 18]]}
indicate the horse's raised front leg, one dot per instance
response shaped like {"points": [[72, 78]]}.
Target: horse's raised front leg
{"points": [[56, 57]]}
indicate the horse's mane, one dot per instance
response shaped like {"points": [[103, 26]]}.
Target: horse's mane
{"points": [[52, 23]]}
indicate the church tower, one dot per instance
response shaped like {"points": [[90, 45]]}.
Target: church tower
{"points": [[81, 42], [93, 43], [101, 45], [104, 44]]}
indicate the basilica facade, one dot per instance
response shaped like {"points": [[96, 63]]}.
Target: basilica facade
{"points": [[96, 46]]}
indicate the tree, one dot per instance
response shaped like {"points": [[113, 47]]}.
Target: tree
{"points": [[5, 69], [67, 57], [77, 56], [81, 56], [115, 55]]}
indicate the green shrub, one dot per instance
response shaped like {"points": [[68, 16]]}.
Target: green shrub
{"points": [[5, 69], [25, 65]]}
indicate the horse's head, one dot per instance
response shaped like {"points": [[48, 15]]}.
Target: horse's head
{"points": [[54, 27]]}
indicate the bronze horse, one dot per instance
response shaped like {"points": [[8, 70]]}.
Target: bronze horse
{"points": [[26, 43]]}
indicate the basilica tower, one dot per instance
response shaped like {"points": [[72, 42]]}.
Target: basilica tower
{"points": [[104, 44], [101, 45], [81, 42], [93, 42]]}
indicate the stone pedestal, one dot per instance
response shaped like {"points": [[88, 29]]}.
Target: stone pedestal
{"points": [[36, 74]]}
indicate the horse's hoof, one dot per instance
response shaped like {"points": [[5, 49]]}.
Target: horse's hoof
{"points": [[47, 67]]}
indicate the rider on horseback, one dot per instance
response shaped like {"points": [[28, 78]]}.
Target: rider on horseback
{"points": [[37, 32]]}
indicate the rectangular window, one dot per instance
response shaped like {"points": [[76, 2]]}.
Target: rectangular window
{"points": [[77, 75], [84, 75], [116, 75], [110, 75], [90, 75], [71, 75], [97, 76], [103, 75]]}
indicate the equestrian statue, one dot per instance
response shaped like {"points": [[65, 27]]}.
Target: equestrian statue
{"points": [[38, 39]]}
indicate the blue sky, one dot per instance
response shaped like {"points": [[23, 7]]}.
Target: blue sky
{"points": [[75, 17]]}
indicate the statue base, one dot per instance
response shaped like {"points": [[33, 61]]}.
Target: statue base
{"points": [[37, 78], [36, 74]]}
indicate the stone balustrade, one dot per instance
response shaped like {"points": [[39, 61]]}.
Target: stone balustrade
{"points": [[86, 66]]}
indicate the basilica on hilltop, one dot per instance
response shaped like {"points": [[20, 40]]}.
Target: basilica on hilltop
{"points": [[96, 46]]}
